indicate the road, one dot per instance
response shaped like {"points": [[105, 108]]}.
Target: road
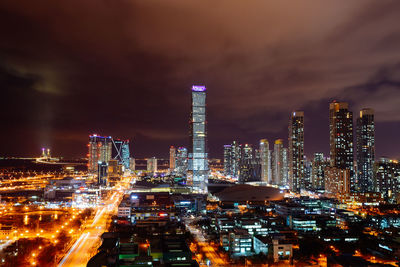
{"points": [[83, 248], [205, 247]]}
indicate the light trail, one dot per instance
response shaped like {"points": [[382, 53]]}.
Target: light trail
{"points": [[78, 242]]}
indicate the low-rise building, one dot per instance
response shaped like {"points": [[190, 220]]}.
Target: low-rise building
{"points": [[237, 242]]}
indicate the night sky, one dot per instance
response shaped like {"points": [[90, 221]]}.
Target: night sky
{"points": [[125, 68]]}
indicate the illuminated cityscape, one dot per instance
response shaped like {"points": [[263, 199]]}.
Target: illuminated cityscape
{"points": [[196, 134]]}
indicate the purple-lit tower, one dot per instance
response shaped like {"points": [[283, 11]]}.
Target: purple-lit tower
{"points": [[198, 157]]}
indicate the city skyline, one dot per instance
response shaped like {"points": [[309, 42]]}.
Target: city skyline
{"points": [[199, 133], [255, 75]]}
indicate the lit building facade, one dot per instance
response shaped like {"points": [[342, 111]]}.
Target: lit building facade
{"points": [[227, 160], [247, 153], [365, 141], [307, 173], [232, 159], [250, 165], [319, 164], [337, 182], [285, 166], [341, 138], [235, 158], [296, 151], [181, 161], [198, 155], [152, 165], [102, 173], [279, 163], [265, 161], [388, 179], [120, 152], [100, 148], [172, 157], [132, 164]]}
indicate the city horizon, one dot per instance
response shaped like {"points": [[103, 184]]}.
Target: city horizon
{"points": [[219, 155]]}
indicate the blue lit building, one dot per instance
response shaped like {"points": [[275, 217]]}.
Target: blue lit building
{"points": [[198, 157], [120, 152]]}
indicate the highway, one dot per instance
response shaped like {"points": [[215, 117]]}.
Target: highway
{"points": [[85, 246]]}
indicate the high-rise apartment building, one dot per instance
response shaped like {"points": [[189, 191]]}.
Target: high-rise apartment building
{"points": [[250, 165], [247, 152], [337, 181], [235, 158], [388, 179], [285, 166], [181, 161], [198, 133], [365, 142], [228, 160], [341, 138], [152, 165], [279, 163], [296, 151], [100, 148], [319, 164], [307, 173], [265, 161], [232, 159], [172, 156]]}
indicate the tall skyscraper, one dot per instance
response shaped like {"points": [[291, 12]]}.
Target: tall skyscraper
{"points": [[296, 151], [235, 158], [285, 166], [198, 133], [232, 159], [265, 161], [250, 166], [99, 151], [227, 160], [365, 151], [181, 161], [172, 155], [341, 138], [278, 168], [120, 152]]}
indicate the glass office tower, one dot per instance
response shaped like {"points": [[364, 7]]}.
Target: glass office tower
{"points": [[198, 133]]}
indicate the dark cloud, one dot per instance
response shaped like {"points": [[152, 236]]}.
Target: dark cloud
{"points": [[124, 68]]}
